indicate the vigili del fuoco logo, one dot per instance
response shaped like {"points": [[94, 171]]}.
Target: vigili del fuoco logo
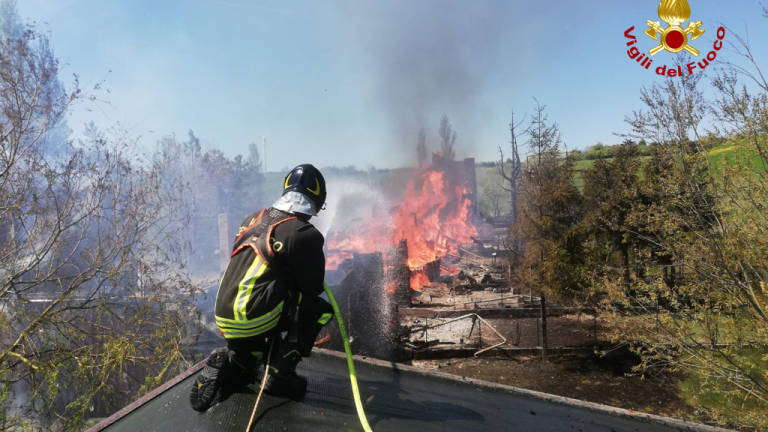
{"points": [[674, 39]]}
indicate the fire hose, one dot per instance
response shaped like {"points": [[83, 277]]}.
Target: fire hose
{"points": [[261, 389], [350, 363]]}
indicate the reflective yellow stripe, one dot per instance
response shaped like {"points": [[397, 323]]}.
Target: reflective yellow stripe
{"points": [[258, 328], [241, 286], [234, 333], [324, 318], [253, 322], [241, 333], [245, 288], [251, 283], [316, 190]]}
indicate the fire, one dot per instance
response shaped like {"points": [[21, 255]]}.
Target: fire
{"points": [[434, 217], [362, 238], [433, 221], [419, 279]]}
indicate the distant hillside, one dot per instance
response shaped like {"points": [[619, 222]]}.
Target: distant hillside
{"points": [[735, 153], [721, 153]]}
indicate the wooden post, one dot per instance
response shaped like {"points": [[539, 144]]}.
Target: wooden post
{"points": [[480, 333], [543, 327]]}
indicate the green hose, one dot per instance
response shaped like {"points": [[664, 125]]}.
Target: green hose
{"points": [[350, 363]]}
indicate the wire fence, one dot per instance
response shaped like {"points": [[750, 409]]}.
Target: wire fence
{"points": [[488, 331]]}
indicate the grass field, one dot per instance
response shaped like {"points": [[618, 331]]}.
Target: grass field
{"points": [[734, 154]]}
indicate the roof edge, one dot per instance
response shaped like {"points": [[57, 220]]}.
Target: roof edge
{"points": [[146, 398], [562, 400]]}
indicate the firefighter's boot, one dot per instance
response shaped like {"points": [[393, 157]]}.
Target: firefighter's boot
{"points": [[244, 369], [283, 380], [208, 386]]}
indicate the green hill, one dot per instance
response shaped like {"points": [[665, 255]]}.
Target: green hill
{"points": [[732, 153], [735, 153]]}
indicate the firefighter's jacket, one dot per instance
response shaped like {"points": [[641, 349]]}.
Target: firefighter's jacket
{"points": [[276, 259]]}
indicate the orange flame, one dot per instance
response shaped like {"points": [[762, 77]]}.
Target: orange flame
{"points": [[419, 280], [366, 238], [434, 217], [433, 220]]}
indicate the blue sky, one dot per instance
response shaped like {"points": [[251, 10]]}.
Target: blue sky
{"points": [[351, 82]]}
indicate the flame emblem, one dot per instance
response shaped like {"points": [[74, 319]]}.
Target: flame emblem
{"points": [[674, 38]]}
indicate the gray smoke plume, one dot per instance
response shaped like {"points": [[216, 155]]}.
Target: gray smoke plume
{"points": [[426, 59]]}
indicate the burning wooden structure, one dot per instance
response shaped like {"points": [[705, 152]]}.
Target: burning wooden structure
{"points": [[387, 260]]}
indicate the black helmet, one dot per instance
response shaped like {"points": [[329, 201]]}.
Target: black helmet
{"points": [[307, 180]]}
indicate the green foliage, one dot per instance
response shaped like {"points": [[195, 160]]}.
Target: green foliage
{"points": [[601, 151], [611, 188], [723, 402], [694, 227], [669, 241], [735, 153], [549, 211], [91, 281]]}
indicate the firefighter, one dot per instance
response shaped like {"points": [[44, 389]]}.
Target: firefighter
{"points": [[269, 295]]}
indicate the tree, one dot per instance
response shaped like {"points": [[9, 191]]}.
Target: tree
{"points": [[549, 209], [610, 191], [210, 184], [246, 182], [510, 179], [421, 148], [709, 319], [493, 201], [253, 162], [447, 139], [90, 285]]}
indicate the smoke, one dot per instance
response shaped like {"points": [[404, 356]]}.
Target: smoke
{"points": [[426, 59], [353, 202]]}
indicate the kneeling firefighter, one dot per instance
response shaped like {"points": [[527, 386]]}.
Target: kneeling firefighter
{"points": [[271, 287]]}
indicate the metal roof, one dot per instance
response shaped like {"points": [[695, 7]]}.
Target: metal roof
{"points": [[396, 398]]}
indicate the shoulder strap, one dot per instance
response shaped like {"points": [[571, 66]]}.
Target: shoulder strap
{"points": [[257, 234]]}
